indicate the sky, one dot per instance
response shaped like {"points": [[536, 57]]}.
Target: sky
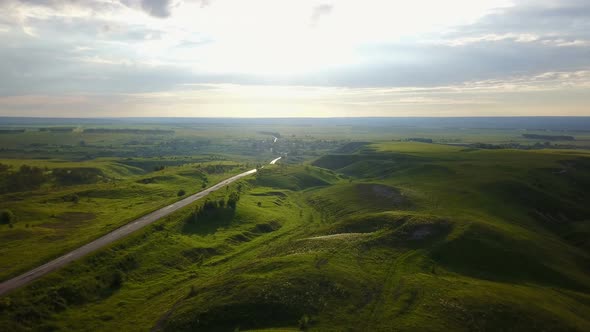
{"points": [[291, 58]]}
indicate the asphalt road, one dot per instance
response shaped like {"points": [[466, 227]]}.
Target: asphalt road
{"points": [[113, 236]]}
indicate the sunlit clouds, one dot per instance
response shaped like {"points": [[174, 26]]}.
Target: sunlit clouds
{"points": [[294, 58]]}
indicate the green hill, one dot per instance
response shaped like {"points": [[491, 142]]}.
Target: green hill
{"points": [[376, 237]]}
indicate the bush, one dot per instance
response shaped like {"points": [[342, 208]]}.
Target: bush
{"points": [[117, 280], [7, 217], [80, 175], [181, 192], [71, 198], [304, 323]]}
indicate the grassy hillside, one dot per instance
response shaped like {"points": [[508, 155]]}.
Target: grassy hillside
{"points": [[375, 237], [60, 215]]}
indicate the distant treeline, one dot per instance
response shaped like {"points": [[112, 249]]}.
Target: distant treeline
{"points": [[537, 145], [128, 131], [11, 131], [419, 139], [58, 129], [549, 137]]}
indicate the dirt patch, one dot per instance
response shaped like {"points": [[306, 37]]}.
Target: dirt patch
{"points": [[271, 193], [382, 193], [147, 180], [266, 227], [320, 262], [239, 238], [422, 232], [340, 236]]}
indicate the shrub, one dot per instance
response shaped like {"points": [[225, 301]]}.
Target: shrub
{"points": [[7, 217], [80, 175], [117, 280], [304, 323], [181, 192]]}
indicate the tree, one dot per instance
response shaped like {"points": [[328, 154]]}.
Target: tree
{"points": [[233, 199], [7, 217]]}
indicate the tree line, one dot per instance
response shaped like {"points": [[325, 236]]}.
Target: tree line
{"points": [[28, 177]]}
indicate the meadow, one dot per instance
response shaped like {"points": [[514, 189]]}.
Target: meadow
{"points": [[355, 229]]}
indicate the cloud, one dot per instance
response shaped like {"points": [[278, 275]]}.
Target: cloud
{"points": [[541, 93], [61, 47], [157, 8]]}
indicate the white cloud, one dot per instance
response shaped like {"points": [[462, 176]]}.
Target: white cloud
{"points": [[314, 54], [518, 38]]}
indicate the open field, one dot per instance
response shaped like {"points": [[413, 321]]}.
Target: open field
{"points": [[358, 231]]}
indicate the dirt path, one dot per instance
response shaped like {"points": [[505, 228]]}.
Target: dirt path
{"points": [[113, 236]]}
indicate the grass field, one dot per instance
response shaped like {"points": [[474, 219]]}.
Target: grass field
{"points": [[377, 234], [374, 235]]}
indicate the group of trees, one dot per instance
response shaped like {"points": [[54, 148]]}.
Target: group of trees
{"points": [[217, 169], [211, 206], [32, 177], [71, 176], [419, 139], [549, 137], [25, 178], [537, 145], [128, 131]]}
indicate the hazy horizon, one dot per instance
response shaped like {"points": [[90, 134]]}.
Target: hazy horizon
{"points": [[310, 58]]}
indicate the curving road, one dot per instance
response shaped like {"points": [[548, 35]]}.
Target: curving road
{"points": [[113, 236]]}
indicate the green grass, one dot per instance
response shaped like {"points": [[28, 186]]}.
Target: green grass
{"points": [[376, 237], [50, 223]]}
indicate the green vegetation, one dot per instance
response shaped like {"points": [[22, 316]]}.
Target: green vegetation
{"points": [[72, 205], [374, 235], [549, 137]]}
